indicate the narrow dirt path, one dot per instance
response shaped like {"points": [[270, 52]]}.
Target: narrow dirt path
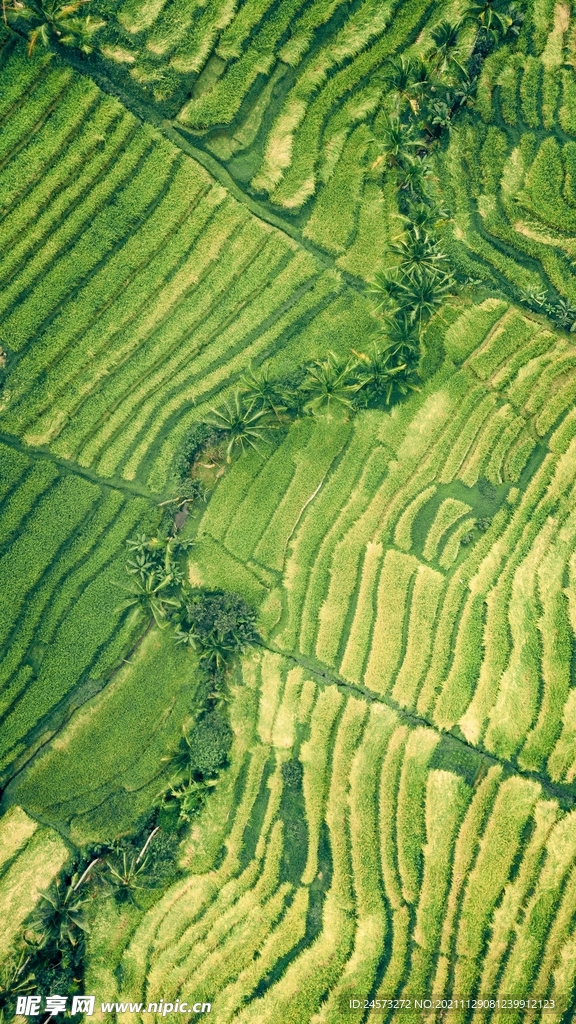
{"points": [[566, 794], [114, 483], [148, 114]]}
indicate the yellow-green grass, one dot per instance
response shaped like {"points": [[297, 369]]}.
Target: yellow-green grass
{"points": [[37, 858], [135, 285], [107, 765], [449, 512], [471, 863]]}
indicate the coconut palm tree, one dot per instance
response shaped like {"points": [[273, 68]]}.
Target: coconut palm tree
{"points": [[398, 142], [422, 293], [16, 979], [381, 379], [401, 339], [418, 252], [413, 174], [124, 875], [149, 594], [217, 650], [264, 394], [445, 39], [60, 916], [329, 387], [52, 21], [191, 796], [382, 290], [492, 23], [408, 77], [420, 216], [241, 422]]}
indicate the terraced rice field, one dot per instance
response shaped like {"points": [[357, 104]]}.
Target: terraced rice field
{"points": [[285, 97], [136, 287], [200, 197], [63, 539], [440, 583], [363, 853], [509, 171]]}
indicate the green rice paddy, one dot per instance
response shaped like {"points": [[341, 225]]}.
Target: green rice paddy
{"points": [[199, 198]]}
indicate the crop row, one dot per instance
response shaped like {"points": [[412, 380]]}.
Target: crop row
{"points": [[30, 857], [63, 538], [509, 176], [436, 642], [136, 288], [110, 761], [428, 878], [292, 90]]}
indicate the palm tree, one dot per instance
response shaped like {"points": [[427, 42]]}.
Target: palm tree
{"points": [[413, 174], [60, 916], [16, 979], [408, 77], [402, 339], [398, 143], [243, 424], [52, 21], [418, 252], [381, 379], [148, 593], [422, 293], [492, 23], [421, 215], [191, 796], [382, 290], [264, 394], [217, 650], [125, 874], [142, 564], [329, 386], [445, 39]]}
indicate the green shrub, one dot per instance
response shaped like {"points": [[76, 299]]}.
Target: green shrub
{"points": [[210, 742]]}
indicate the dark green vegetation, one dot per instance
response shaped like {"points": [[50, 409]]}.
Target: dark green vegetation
{"points": [[288, 458]]}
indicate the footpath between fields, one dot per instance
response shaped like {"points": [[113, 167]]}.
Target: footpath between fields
{"points": [[565, 794]]}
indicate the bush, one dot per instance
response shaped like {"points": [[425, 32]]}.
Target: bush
{"points": [[226, 615], [201, 436], [210, 742]]}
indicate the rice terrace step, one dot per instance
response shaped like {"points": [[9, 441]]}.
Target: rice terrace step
{"points": [[288, 511]]}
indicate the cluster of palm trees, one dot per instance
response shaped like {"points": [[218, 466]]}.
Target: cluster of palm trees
{"points": [[197, 762], [424, 95], [427, 92], [329, 386], [48, 956], [155, 576], [218, 625]]}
